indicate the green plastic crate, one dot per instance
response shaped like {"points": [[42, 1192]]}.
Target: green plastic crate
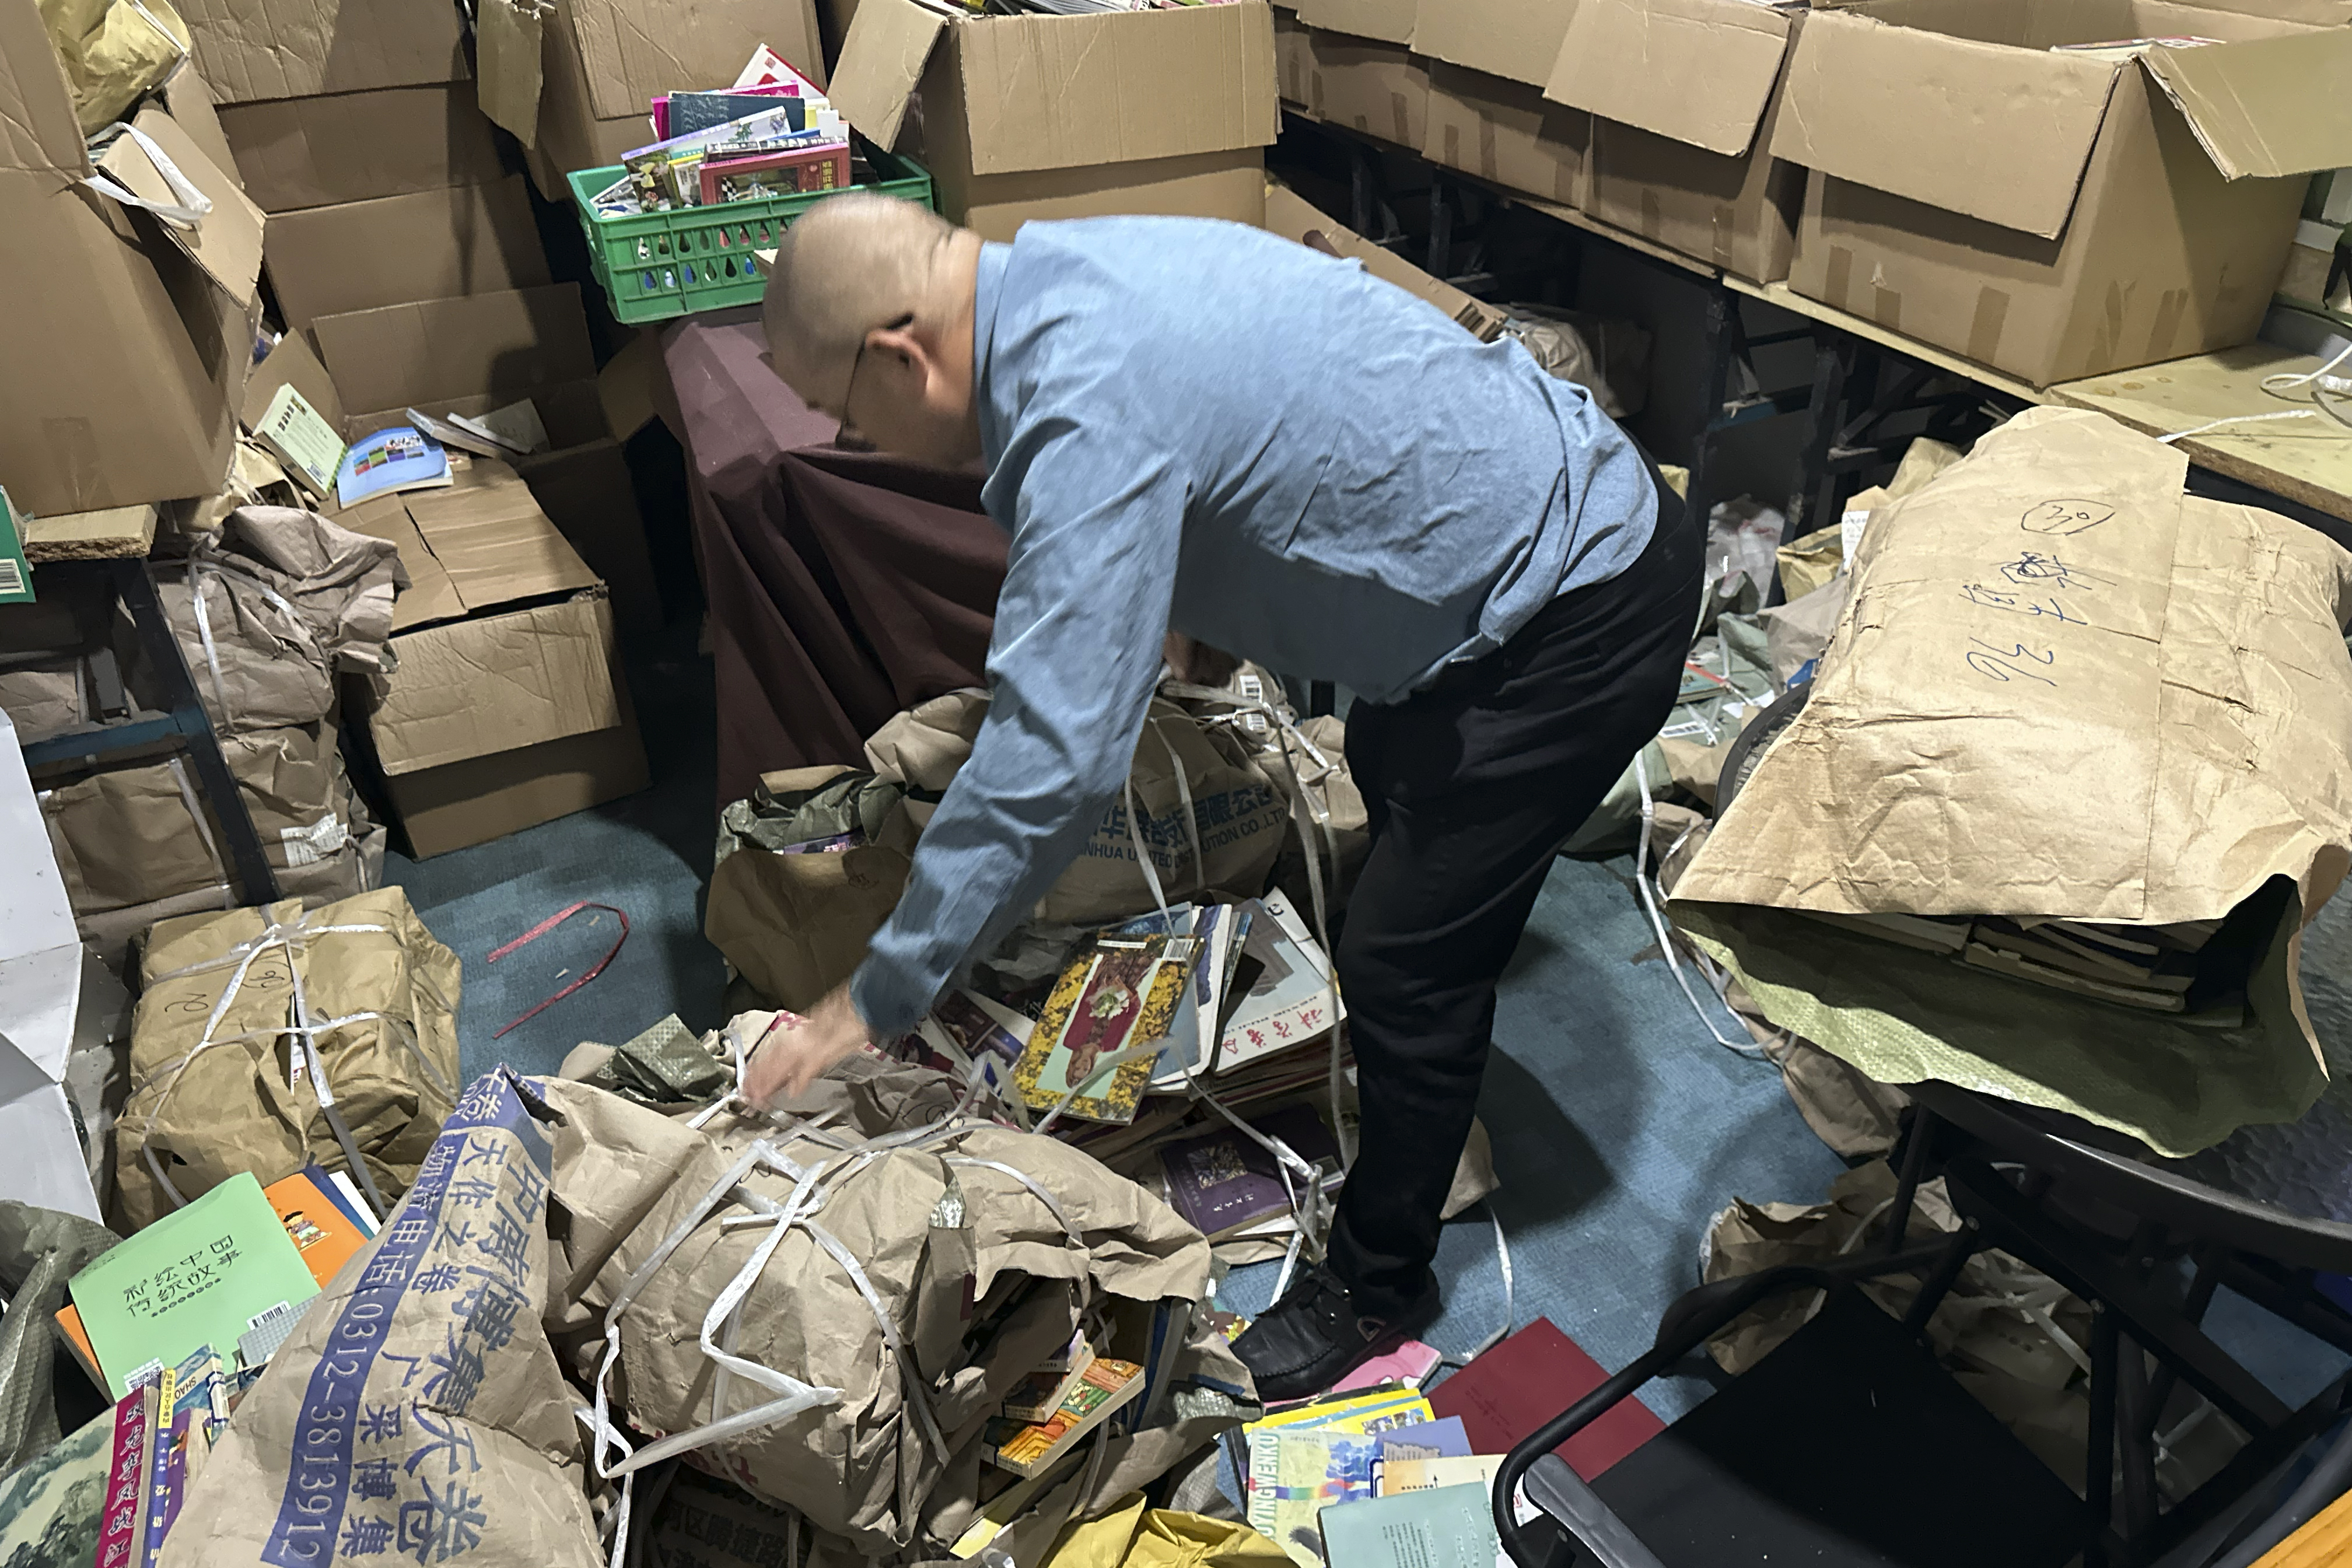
{"points": [[658, 265]]}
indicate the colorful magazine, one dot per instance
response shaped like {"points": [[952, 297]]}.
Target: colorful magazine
{"points": [[401, 458], [1296, 1475], [1026, 1448], [1292, 1002], [1117, 994]]}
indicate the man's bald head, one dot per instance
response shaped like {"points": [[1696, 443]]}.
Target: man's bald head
{"points": [[850, 264]]}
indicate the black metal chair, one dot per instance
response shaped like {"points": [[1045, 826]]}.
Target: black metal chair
{"points": [[1785, 1465]]}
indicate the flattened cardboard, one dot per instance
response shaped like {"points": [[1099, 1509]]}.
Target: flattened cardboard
{"points": [[357, 146], [507, 345], [494, 541], [1508, 133], [1699, 71], [1376, 88], [227, 243], [430, 595], [490, 684], [2269, 106], [472, 802], [1384, 21], [1515, 39], [631, 49], [2011, 151], [293, 363], [251, 49], [141, 359], [429, 244]]}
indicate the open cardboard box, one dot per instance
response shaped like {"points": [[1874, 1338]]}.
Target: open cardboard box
{"points": [[129, 345], [1684, 95], [473, 353], [604, 61], [1048, 116], [1488, 61], [506, 709], [2065, 213]]}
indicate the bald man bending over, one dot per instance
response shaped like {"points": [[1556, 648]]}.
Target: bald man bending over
{"points": [[1198, 426]]}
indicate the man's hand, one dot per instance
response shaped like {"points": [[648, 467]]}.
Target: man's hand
{"points": [[796, 1053]]}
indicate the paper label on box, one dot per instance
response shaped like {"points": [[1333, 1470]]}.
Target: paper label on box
{"points": [[1850, 527], [16, 577], [308, 846]]}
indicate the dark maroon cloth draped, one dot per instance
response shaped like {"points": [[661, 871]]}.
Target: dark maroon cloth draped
{"points": [[843, 586]]}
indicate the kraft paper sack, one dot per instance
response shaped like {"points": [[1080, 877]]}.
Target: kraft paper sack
{"points": [[2060, 689], [1208, 816], [213, 1088], [865, 1302], [418, 1412]]}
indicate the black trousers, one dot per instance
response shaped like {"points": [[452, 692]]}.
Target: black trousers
{"points": [[1471, 787]]}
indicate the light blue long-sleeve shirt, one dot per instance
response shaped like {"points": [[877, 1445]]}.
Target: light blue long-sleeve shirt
{"points": [[1203, 427]]}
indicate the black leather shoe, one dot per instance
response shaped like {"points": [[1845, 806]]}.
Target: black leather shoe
{"points": [[1314, 1337]]}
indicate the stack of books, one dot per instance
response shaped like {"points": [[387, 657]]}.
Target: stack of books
{"points": [[1386, 1477], [2175, 968], [772, 133], [227, 1277]]}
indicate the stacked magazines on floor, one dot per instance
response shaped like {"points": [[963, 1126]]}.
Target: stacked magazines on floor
{"points": [[1122, 1050]]}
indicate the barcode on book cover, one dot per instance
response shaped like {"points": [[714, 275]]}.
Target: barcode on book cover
{"points": [[12, 577]]}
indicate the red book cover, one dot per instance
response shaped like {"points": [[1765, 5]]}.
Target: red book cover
{"points": [[1527, 1380], [122, 1527], [820, 168]]}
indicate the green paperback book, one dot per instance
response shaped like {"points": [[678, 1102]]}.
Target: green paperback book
{"points": [[1444, 1526], [195, 1277]]}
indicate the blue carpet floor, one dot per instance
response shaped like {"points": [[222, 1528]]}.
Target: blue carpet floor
{"points": [[1618, 1126]]}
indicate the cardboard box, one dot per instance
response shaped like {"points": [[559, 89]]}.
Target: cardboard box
{"points": [[1487, 63], [1383, 21], [1294, 60], [1375, 88], [423, 360], [299, 152], [1290, 216], [2100, 212], [1684, 95], [505, 709], [582, 482], [253, 50], [429, 244], [506, 345], [128, 359], [1049, 116], [603, 60]]}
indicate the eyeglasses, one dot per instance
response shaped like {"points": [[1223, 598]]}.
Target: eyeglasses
{"points": [[848, 434]]}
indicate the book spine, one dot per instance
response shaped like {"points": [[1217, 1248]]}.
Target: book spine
{"points": [[158, 1455], [173, 1486], [122, 1535]]}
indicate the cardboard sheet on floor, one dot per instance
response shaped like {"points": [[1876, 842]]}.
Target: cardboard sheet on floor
{"points": [[2058, 688]]}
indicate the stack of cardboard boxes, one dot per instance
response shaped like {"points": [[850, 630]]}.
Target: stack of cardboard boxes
{"points": [[2084, 200]]}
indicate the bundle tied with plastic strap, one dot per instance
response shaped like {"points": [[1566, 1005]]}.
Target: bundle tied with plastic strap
{"points": [[267, 1039], [796, 924], [418, 1411], [2060, 690], [788, 1299], [268, 612]]}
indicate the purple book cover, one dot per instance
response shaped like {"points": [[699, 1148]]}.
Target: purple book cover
{"points": [[1223, 1180]]}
